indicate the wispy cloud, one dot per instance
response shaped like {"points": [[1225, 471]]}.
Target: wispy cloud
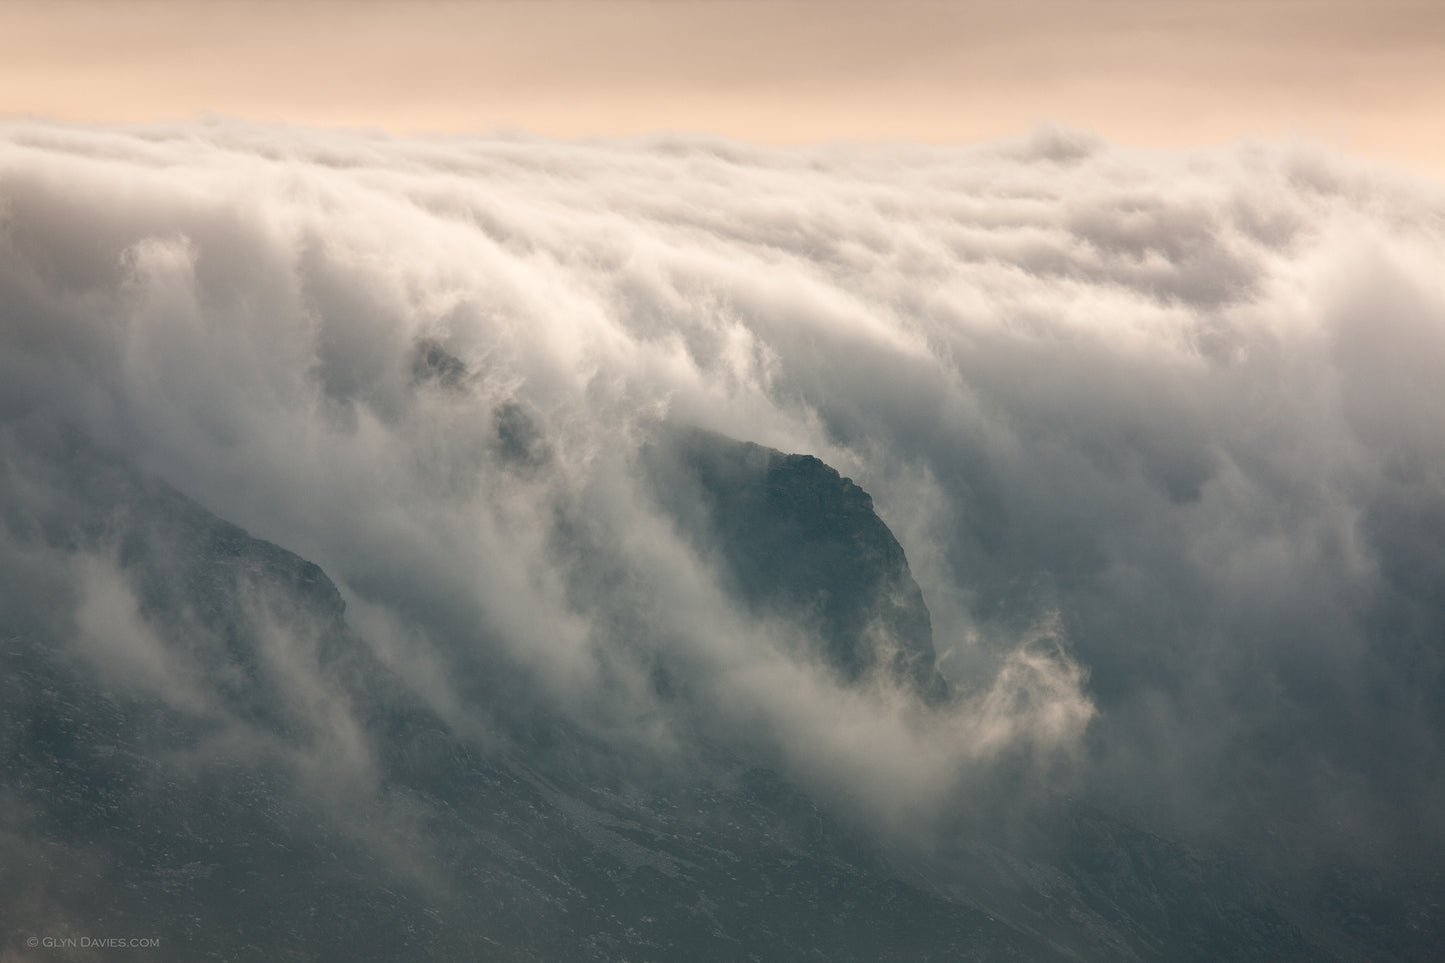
{"points": [[1178, 408]]}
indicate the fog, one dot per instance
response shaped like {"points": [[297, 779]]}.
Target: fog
{"points": [[1160, 433]]}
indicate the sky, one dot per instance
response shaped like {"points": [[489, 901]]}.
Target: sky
{"points": [[1367, 78]]}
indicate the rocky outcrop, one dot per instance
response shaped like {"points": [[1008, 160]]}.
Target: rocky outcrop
{"points": [[797, 540]]}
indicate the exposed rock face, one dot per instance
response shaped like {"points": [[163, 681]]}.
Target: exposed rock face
{"points": [[798, 540]]}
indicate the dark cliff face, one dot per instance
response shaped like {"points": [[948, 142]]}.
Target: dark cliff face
{"points": [[797, 540]]}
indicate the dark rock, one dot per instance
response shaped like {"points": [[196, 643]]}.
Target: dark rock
{"points": [[432, 363], [797, 540]]}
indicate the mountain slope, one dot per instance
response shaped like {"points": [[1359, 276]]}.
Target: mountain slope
{"points": [[198, 748], [240, 799]]}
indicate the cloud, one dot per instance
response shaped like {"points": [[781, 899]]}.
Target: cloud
{"points": [[1178, 406]]}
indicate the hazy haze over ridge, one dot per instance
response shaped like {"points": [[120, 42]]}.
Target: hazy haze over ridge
{"points": [[1160, 432]]}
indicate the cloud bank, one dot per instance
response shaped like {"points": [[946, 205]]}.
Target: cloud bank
{"points": [[1160, 433]]}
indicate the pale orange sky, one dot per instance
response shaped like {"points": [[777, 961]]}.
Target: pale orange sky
{"points": [[1367, 77]]}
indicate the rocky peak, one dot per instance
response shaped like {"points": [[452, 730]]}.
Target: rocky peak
{"points": [[795, 539]]}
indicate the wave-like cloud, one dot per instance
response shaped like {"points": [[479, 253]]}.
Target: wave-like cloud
{"points": [[1161, 434]]}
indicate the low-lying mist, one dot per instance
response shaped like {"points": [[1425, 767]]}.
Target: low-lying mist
{"points": [[1161, 435]]}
